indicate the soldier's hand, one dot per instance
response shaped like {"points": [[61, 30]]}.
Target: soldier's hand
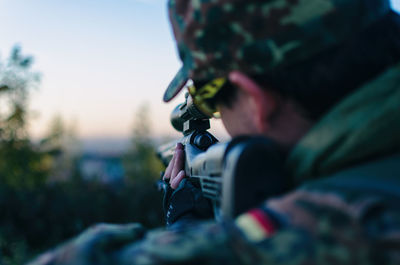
{"points": [[182, 200], [175, 171]]}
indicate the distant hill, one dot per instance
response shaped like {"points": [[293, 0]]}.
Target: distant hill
{"points": [[113, 146], [105, 145]]}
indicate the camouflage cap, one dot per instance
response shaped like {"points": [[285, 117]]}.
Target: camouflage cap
{"points": [[215, 37]]}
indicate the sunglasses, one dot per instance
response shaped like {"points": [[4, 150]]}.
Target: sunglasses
{"points": [[203, 95]]}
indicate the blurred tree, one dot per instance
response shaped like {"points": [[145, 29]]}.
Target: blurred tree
{"points": [[16, 81], [62, 135], [140, 161], [62, 147], [21, 164]]}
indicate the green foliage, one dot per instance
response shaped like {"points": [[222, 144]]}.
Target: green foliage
{"points": [[21, 164], [38, 212], [140, 161], [16, 81], [62, 145], [34, 220]]}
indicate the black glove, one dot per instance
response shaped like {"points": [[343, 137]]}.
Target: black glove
{"points": [[185, 204]]}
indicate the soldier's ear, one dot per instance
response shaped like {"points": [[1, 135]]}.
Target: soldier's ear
{"points": [[262, 101]]}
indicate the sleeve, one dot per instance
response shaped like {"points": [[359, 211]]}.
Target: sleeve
{"points": [[291, 230]]}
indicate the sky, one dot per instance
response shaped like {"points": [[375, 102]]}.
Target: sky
{"points": [[100, 61]]}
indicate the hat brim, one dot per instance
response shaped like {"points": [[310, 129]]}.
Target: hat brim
{"points": [[176, 85]]}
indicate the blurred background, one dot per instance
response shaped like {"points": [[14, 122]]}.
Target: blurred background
{"points": [[81, 113]]}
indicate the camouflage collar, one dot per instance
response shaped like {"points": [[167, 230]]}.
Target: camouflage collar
{"points": [[364, 125]]}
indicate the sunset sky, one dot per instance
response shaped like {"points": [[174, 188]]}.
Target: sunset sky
{"points": [[100, 60]]}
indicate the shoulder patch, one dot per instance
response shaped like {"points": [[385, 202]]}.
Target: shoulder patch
{"points": [[256, 225]]}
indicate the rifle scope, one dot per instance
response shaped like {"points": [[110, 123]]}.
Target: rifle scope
{"points": [[186, 117]]}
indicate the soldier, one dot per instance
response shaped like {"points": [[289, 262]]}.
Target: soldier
{"points": [[322, 79]]}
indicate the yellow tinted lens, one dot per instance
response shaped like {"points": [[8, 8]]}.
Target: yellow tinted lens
{"points": [[200, 103], [206, 92]]}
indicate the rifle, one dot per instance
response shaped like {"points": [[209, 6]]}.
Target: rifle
{"points": [[234, 175]]}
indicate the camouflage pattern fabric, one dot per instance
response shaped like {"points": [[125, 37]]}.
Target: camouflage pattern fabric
{"points": [[94, 246], [351, 217], [255, 37]]}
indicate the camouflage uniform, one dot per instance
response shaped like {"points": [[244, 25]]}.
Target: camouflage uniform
{"points": [[346, 209]]}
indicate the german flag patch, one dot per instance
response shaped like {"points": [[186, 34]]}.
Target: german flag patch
{"points": [[256, 225]]}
